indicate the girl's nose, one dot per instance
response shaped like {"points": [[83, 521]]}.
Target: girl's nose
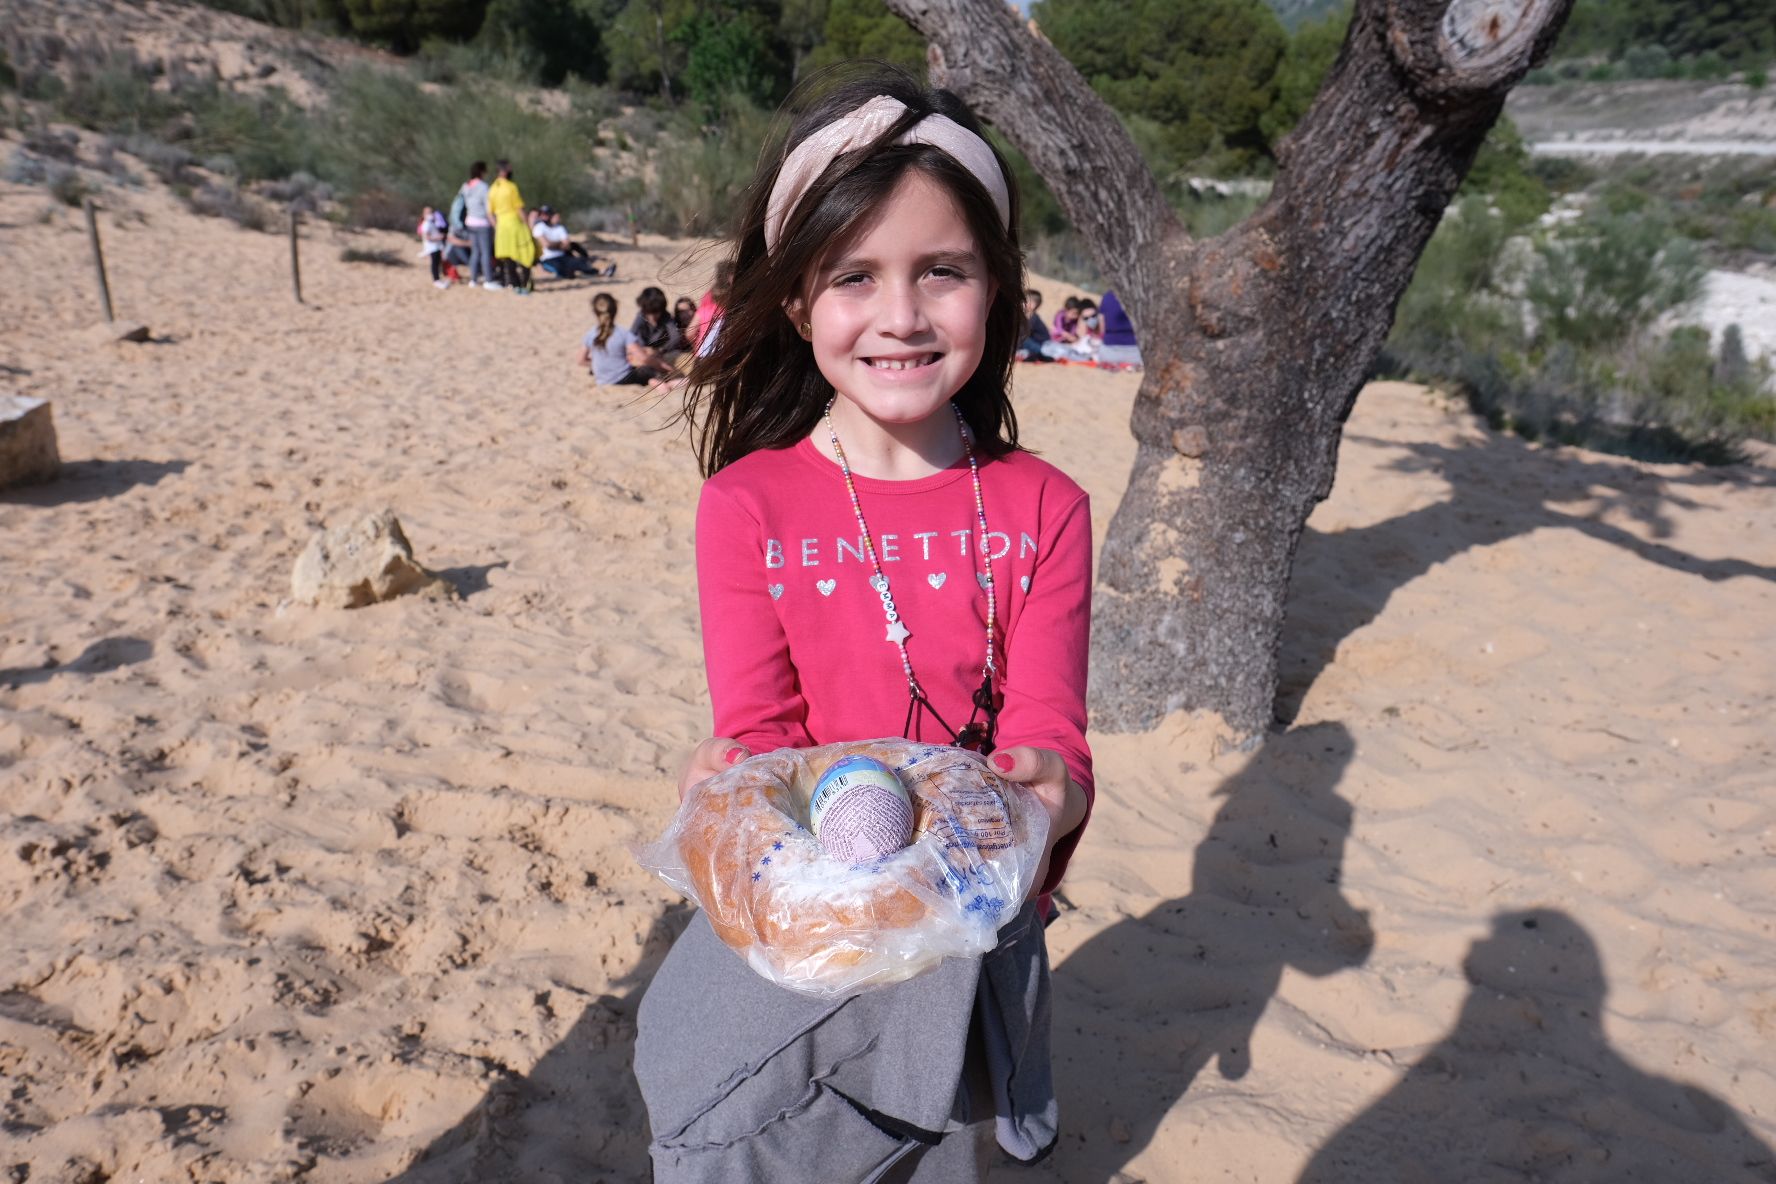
{"points": [[902, 312]]}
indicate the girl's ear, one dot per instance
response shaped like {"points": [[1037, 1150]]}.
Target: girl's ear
{"points": [[794, 308]]}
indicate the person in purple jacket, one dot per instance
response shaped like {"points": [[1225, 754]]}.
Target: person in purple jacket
{"points": [[1120, 347]]}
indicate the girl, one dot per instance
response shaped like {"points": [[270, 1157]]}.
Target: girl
{"points": [[854, 424], [705, 326], [684, 311], [609, 349], [431, 243]]}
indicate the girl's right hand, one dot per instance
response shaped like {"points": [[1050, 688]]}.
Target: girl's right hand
{"points": [[709, 758]]}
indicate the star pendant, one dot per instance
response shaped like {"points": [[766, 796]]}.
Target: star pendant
{"points": [[897, 631]]}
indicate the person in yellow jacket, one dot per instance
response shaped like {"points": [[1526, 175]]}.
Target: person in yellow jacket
{"points": [[514, 250]]}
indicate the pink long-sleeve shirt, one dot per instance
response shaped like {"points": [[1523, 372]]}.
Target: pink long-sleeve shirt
{"points": [[794, 636]]}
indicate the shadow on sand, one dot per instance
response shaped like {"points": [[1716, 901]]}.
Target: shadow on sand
{"points": [[578, 1115], [1526, 1087], [472, 578], [1189, 980], [106, 654], [1348, 577], [93, 480]]}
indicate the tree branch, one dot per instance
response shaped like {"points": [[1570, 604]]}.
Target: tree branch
{"points": [[1011, 76], [1464, 50]]}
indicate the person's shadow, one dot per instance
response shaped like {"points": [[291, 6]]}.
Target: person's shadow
{"points": [[1187, 983], [578, 1114], [1527, 1087]]}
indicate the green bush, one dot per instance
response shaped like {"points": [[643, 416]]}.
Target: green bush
{"points": [[701, 167], [730, 55], [377, 256], [1555, 336], [1646, 61], [385, 133], [1205, 72], [1752, 229], [225, 200], [1609, 276], [1501, 169], [67, 186]]}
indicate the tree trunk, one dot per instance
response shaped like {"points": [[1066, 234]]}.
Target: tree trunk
{"points": [[1256, 342]]}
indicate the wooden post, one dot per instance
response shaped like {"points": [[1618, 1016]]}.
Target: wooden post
{"points": [[92, 234], [295, 259]]}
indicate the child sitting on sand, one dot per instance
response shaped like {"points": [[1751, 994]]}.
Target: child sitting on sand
{"points": [[856, 399], [611, 351]]}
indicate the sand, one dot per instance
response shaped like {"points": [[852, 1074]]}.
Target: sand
{"points": [[345, 896]]}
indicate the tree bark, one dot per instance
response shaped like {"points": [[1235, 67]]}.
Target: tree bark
{"points": [[1256, 342]]}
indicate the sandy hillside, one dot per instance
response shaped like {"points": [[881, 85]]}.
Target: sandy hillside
{"points": [[294, 894]]}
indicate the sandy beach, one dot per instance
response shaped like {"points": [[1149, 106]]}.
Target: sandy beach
{"points": [[345, 896]]}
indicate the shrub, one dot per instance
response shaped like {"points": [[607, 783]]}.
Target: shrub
{"points": [[1731, 366], [108, 162], [1750, 229], [1646, 61], [53, 145], [67, 186], [1064, 256], [700, 167], [225, 200], [1586, 365], [1609, 275], [300, 191], [378, 209], [384, 133], [22, 168], [169, 162], [380, 256]]}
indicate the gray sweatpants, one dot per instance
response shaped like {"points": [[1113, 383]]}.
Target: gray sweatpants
{"points": [[910, 1084]]}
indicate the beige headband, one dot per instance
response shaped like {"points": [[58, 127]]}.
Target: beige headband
{"points": [[862, 127]]}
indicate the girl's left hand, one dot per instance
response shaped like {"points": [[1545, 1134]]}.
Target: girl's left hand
{"points": [[1044, 773]]}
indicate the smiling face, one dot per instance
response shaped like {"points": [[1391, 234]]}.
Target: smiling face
{"points": [[899, 311]]}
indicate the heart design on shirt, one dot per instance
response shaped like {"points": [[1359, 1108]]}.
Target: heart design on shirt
{"points": [[879, 583], [936, 579], [776, 591], [826, 586], [1025, 581]]}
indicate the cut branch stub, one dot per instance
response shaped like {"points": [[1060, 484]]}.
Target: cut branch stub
{"points": [[1463, 49]]}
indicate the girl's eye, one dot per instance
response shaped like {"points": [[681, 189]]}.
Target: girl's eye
{"points": [[856, 277]]}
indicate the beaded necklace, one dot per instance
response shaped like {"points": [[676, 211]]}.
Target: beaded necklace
{"points": [[974, 734]]}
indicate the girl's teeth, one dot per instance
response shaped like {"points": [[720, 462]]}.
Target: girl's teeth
{"points": [[908, 364]]}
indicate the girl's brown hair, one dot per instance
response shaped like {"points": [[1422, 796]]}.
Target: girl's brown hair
{"points": [[760, 387], [604, 307]]}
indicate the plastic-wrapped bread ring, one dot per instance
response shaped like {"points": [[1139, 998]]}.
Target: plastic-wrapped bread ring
{"points": [[740, 847]]}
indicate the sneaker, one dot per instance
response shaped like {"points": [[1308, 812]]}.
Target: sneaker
{"points": [[494, 286], [440, 284]]}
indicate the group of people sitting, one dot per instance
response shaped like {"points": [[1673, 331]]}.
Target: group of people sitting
{"points": [[1082, 331], [492, 236], [658, 346]]}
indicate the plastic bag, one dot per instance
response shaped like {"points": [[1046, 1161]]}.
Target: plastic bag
{"points": [[740, 847]]}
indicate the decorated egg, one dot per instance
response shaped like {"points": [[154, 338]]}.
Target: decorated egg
{"points": [[860, 810]]}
